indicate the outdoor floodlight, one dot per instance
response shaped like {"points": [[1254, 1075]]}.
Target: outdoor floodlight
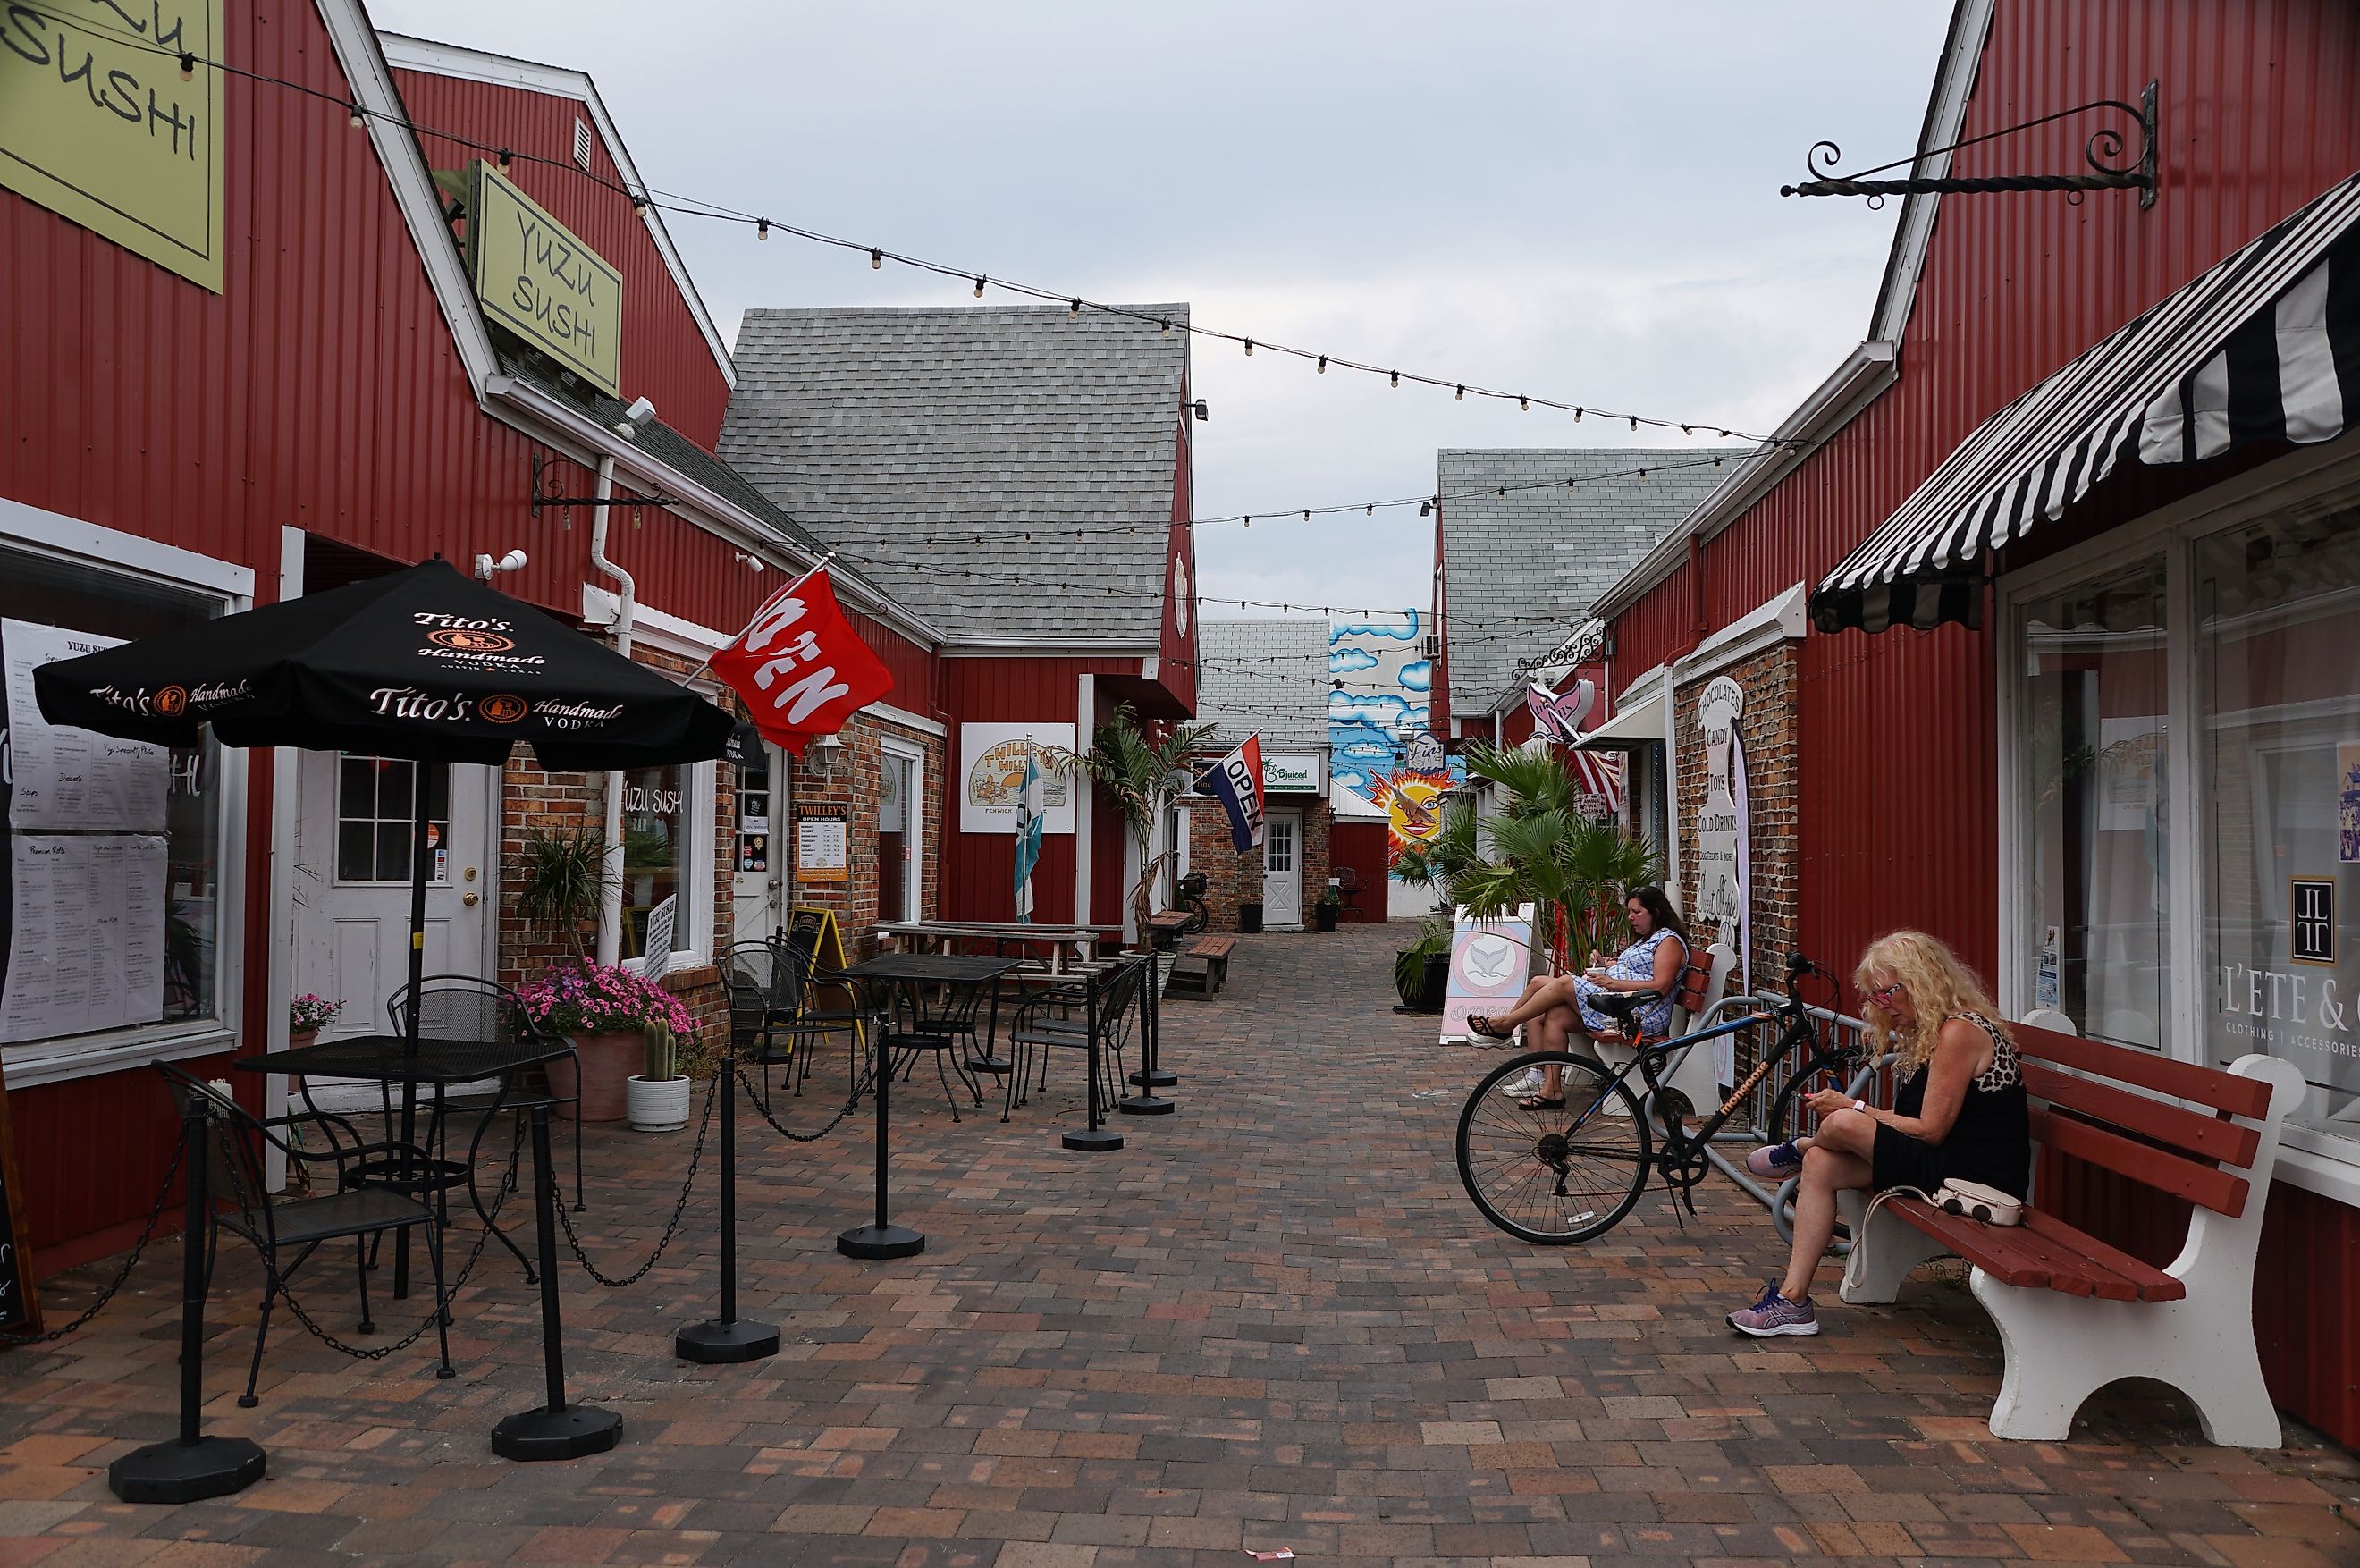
{"points": [[511, 562]]}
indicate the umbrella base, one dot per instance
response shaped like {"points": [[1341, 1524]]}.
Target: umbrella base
{"points": [[719, 1344], [879, 1242], [180, 1472], [1145, 1104], [569, 1432], [1103, 1140], [1154, 1078]]}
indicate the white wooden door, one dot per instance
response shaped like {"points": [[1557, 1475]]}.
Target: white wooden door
{"points": [[1282, 869], [351, 880]]}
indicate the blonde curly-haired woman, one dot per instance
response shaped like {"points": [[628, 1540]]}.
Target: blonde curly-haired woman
{"points": [[1959, 1113]]}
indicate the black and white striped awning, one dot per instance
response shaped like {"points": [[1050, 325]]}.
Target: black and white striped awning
{"points": [[2266, 346]]}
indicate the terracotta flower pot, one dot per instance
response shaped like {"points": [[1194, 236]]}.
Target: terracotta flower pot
{"points": [[609, 1063]]}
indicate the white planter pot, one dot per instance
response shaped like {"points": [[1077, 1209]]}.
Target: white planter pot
{"points": [[658, 1104]]}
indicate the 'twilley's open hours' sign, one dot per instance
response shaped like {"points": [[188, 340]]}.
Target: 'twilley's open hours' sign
{"points": [[534, 278]]}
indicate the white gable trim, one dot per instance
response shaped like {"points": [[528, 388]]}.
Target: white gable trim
{"points": [[1946, 114], [464, 64]]}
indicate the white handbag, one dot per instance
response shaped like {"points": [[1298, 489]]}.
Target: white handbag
{"points": [[1973, 1201]]}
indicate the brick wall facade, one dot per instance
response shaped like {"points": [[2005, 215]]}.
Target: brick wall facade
{"points": [[856, 781], [1232, 879], [1769, 728]]}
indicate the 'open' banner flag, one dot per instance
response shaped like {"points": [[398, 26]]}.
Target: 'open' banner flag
{"points": [[1236, 782], [801, 667]]}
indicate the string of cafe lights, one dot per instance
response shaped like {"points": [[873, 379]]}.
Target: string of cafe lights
{"points": [[647, 196]]}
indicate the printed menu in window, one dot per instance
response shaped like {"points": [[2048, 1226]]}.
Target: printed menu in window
{"points": [[823, 851], [68, 779], [88, 940]]}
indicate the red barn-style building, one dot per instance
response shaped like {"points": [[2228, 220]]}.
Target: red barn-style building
{"points": [[2055, 659]]}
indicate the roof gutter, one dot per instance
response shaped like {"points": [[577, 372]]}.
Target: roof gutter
{"points": [[1866, 372], [722, 515]]}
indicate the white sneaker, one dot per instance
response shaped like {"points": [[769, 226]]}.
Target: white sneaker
{"points": [[1522, 1084]]}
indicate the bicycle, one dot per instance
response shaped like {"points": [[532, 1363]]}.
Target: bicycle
{"points": [[1573, 1172]]}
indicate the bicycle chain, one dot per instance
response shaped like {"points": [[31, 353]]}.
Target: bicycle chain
{"points": [[672, 1227], [146, 1233]]}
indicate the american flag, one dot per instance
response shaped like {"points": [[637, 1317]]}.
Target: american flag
{"points": [[1601, 774]]}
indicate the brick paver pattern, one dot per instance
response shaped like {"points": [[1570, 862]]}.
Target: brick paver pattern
{"points": [[1273, 1321]]}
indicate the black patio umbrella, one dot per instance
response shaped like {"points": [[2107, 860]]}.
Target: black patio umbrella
{"points": [[424, 663]]}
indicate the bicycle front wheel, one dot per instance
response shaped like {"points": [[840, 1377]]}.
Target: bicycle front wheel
{"points": [[1559, 1176]]}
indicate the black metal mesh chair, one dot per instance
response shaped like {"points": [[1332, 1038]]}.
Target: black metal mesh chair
{"points": [[765, 993], [242, 1204], [948, 1034], [1108, 1004], [814, 986], [464, 1007]]}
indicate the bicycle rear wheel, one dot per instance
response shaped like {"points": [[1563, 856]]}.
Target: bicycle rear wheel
{"points": [[1553, 1177], [1789, 1117]]}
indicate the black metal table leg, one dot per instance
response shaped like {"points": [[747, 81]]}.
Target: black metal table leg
{"points": [[722, 1340], [190, 1465], [882, 1239], [1095, 1139], [1150, 1073], [556, 1430]]}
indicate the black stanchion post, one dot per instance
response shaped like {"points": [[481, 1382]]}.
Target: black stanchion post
{"points": [[1097, 1139], [556, 1431], [883, 1239], [191, 1465], [1147, 1102], [1150, 1073], [724, 1339]]}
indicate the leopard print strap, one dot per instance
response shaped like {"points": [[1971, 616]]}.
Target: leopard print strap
{"points": [[2004, 1070]]}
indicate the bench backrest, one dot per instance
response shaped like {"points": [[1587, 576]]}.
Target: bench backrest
{"points": [[2088, 1104], [1702, 984]]}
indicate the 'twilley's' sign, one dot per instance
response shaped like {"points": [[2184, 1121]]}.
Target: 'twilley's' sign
{"points": [[534, 278]]}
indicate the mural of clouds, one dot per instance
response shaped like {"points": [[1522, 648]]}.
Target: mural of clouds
{"points": [[1406, 628], [1344, 660], [1385, 683], [1416, 675]]}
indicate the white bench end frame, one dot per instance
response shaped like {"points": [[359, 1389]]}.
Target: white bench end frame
{"points": [[2058, 1349]]}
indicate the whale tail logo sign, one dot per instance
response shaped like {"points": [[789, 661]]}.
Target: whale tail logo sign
{"points": [[1559, 717]]}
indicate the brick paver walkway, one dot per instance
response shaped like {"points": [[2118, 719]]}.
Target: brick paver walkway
{"points": [[1273, 1321]]}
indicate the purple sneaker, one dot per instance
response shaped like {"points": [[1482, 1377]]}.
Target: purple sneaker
{"points": [[1775, 1315], [1775, 1163]]}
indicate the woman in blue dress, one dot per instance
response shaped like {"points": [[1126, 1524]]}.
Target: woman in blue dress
{"points": [[1556, 1010]]}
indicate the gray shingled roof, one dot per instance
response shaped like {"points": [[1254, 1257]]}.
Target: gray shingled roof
{"points": [[1282, 694], [877, 428], [1532, 562]]}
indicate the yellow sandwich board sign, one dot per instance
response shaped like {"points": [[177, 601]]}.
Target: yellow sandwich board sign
{"points": [[534, 278], [97, 125]]}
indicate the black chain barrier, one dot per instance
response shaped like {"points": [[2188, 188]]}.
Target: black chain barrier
{"points": [[146, 1233], [755, 1100], [672, 1227]]}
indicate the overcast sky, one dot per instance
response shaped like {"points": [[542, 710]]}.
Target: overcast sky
{"points": [[1577, 200]]}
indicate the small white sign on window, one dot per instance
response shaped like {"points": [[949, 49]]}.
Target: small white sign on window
{"points": [[659, 923]]}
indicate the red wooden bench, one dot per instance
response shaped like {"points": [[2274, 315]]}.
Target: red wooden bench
{"points": [[2075, 1313]]}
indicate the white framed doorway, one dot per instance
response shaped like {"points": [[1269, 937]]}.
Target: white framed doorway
{"points": [[900, 830], [351, 895], [1282, 870]]}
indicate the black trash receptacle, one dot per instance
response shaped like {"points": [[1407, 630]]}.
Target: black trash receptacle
{"points": [[1250, 918]]}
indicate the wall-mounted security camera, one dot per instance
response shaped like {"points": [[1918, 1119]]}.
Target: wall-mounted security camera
{"points": [[511, 562]]}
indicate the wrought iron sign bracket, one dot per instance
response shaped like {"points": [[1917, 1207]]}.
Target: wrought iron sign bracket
{"points": [[553, 499], [2104, 151]]}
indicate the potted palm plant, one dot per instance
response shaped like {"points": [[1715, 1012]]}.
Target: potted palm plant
{"points": [[1422, 969], [1143, 773], [1539, 850], [1330, 908]]}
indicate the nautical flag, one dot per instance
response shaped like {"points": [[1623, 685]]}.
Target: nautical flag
{"points": [[1236, 782], [1031, 816], [799, 665]]}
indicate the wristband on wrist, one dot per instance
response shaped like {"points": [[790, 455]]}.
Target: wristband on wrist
{"points": [[1860, 1106]]}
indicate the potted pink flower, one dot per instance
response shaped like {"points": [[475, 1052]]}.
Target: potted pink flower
{"points": [[307, 1015], [608, 1013]]}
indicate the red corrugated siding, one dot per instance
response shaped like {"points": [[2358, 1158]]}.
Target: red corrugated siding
{"points": [[322, 390], [2257, 115], [665, 357], [979, 869]]}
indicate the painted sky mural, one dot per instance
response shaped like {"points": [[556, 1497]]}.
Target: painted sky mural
{"points": [[1379, 678]]}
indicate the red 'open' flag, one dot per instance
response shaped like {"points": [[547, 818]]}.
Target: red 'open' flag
{"points": [[801, 667]]}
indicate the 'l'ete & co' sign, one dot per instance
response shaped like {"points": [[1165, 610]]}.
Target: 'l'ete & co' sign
{"points": [[97, 125], [534, 278]]}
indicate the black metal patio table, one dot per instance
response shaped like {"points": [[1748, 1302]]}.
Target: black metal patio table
{"points": [[877, 979], [558, 1430]]}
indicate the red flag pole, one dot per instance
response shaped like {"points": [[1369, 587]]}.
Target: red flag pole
{"points": [[817, 567]]}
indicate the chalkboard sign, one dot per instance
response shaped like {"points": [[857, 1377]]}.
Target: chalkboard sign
{"points": [[20, 1300]]}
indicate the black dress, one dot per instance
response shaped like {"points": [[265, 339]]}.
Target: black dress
{"points": [[1990, 1142]]}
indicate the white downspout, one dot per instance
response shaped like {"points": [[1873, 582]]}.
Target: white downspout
{"points": [[610, 903]]}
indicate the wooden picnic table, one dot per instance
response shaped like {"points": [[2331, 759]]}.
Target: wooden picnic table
{"points": [[940, 934]]}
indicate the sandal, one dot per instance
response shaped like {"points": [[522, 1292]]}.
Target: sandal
{"points": [[1541, 1102], [1480, 1024]]}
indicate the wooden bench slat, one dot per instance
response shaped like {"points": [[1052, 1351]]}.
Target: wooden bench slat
{"points": [[1986, 1247], [2159, 1168], [2206, 1137], [2247, 1097], [2153, 1283], [1211, 947]]}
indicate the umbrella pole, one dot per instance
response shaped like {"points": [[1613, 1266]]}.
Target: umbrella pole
{"points": [[418, 852]]}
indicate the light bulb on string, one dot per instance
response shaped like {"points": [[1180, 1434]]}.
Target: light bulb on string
{"points": [[1167, 324], [1577, 416], [1250, 348], [358, 119], [1460, 395], [1396, 378], [1323, 365], [504, 155], [1524, 403], [978, 287], [1634, 422], [187, 67], [875, 259], [1074, 311], [762, 228]]}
